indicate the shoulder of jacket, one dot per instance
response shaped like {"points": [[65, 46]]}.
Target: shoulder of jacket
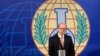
{"points": [[67, 36], [52, 37]]}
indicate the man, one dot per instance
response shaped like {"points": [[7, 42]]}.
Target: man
{"points": [[61, 41]]}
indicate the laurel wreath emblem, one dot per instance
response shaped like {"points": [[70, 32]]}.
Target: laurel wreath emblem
{"points": [[40, 27], [82, 32]]}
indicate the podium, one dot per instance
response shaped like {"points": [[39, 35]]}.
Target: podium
{"points": [[61, 52]]}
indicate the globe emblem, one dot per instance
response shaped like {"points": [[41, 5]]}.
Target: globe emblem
{"points": [[45, 21]]}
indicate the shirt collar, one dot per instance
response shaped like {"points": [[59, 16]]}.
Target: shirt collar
{"points": [[60, 35]]}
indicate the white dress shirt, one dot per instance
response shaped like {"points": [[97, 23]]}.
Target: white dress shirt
{"points": [[61, 39]]}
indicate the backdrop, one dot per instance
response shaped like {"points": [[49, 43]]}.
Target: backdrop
{"points": [[17, 24]]}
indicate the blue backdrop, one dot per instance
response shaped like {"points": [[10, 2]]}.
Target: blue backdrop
{"points": [[15, 27]]}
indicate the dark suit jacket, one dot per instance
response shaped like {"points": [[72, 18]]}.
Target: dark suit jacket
{"points": [[54, 45]]}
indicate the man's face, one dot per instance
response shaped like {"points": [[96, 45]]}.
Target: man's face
{"points": [[62, 29]]}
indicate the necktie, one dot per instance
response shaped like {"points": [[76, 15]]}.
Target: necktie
{"points": [[62, 41]]}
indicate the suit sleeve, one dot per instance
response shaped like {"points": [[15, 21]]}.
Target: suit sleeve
{"points": [[51, 47], [72, 51]]}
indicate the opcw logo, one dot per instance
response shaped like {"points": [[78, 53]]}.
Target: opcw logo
{"points": [[53, 12]]}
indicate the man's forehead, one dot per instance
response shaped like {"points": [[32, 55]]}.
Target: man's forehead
{"points": [[62, 25]]}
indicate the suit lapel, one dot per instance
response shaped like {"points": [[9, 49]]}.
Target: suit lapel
{"points": [[65, 41], [57, 41]]}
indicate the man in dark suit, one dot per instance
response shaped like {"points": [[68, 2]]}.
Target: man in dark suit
{"points": [[61, 41]]}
